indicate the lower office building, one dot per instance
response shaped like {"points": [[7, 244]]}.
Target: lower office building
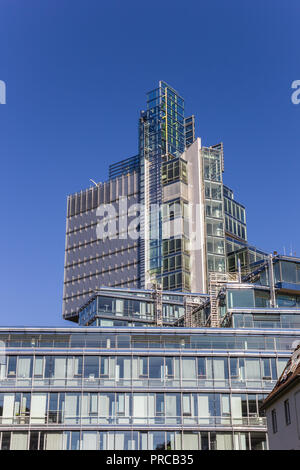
{"points": [[154, 370], [137, 388]]}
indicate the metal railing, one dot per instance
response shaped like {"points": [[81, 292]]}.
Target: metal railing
{"points": [[133, 383], [183, 383], [53, 418]]}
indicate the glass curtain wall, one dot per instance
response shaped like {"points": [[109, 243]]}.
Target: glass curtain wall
{"points": [[214, 209], [161, 133]]}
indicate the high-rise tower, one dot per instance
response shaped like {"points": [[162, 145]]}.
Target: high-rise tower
{"points": [[172, 193], [161, 137]]}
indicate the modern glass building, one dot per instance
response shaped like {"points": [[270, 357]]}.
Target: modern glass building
{"points": [[186, 213], [146, 371], [137, 388], [182, 330]]}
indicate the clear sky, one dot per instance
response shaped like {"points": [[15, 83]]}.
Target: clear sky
{"points": [[76, 73]]}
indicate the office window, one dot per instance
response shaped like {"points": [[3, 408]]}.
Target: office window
{"points": [[12, 366], [274, 421], [38, 366], [91, 367], [287, 412], [188, 368], [19, 441], [186, 404], [6, 436]]}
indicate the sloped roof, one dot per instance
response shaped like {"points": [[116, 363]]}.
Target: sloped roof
{"points": [[290, 374]]}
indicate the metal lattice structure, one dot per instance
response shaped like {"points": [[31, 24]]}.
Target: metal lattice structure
{"points": [[158, 308], [216, 282], [191, 305]]}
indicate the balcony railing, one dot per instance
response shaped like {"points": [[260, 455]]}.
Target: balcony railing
{"points": [[92, 382], [53, 418]]}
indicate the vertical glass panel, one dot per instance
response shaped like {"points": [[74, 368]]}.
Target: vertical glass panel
{"points": [[60, 367], [19, 441], [225, 405], [240, 298], [74, 440], [5, 445], [190, 441], [54, 441], [143, 445], [156, 367], [224, 441], [281, 363], [236, 409], [38, 408], [234, 367], [241, 441], [173, 441], [289, 272], [91, 367], [120, 440], [188, 368], [12, 366], [38, 366], [186, 404], [157, 440], [173, 408], [89, 440], [140, 408], [105, 406], [203, 409], [72, 407], [204, 442], [131, 440], [34, 440], [266, 369], [258, 441], [159, 404], [201, 367], [252, 369], [24, 367], [220, 370], [104, 368], [52, 408], [8, 400]]}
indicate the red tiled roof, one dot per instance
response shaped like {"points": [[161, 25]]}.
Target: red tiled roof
{"points": [[290, 374]]}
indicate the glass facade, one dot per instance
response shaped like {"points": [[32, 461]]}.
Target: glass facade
{"points": [[131, 440], [189, 128], [141, 379], [154, 178], [131, 388], [175, 248], [235, 216], [123, 167], [259, 305], [132, 311], [120, 307], [161, 134], [247, 256], [164, 135], [214, 209], [174, 170]]}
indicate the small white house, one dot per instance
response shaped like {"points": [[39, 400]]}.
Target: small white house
{"points": [[282, 408]]}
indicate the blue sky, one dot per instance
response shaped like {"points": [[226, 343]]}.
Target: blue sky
{"points": [[76, 74]]}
